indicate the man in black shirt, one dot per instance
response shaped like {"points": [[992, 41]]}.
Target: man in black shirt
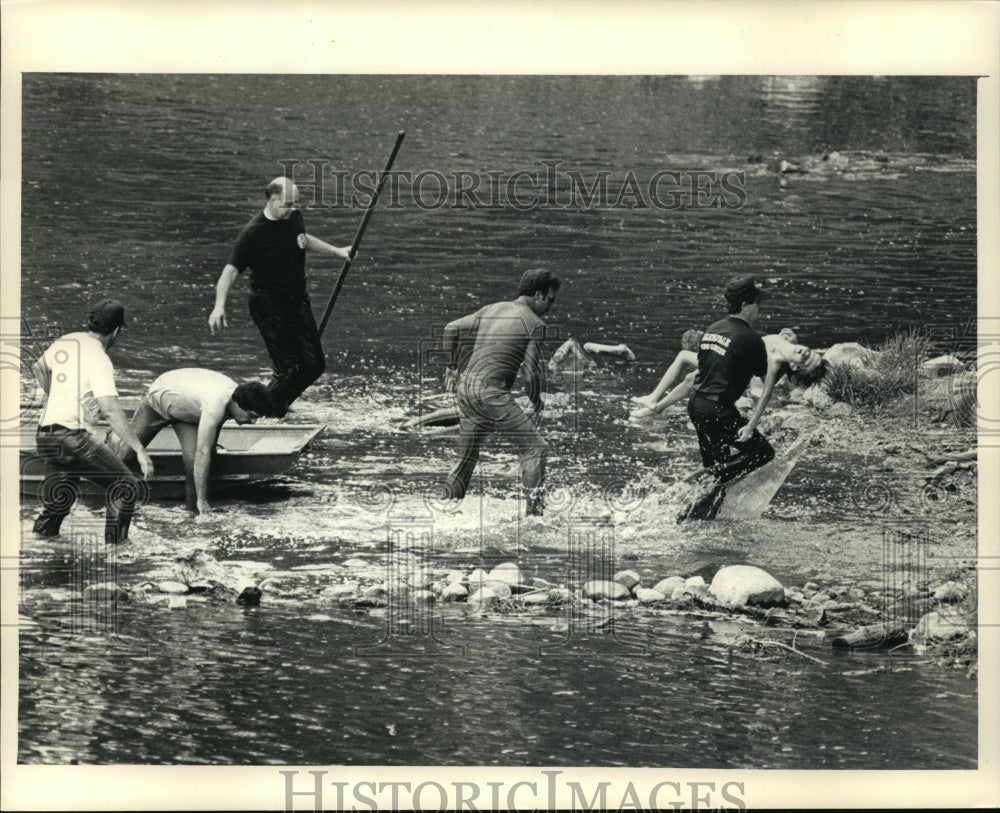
{"points": [[273, 245], [729, 355]]}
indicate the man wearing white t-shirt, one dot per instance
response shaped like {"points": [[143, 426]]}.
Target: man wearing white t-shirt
{"points": [[79, 382], [196, 402]]}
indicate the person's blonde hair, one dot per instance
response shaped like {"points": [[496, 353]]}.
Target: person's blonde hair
{"points": [[691, 338]]}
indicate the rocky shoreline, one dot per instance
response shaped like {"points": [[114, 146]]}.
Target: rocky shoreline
{"points": [[923, 450], [934, 620]]}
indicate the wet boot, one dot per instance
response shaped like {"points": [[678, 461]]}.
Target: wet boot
{"points": [[47, 524], [706, 503], [116, 530], [535, 506]]}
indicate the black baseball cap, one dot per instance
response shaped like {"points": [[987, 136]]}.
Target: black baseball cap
{"points": [[744, 290], [107, 315]]}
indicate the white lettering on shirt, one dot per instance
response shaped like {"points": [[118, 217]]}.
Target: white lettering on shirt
{"points": [[715, 342]]}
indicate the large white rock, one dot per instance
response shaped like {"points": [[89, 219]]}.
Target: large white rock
{"points": [[106, 591], [941, 626], [647, 596], [850, 353], [627, 578], [815, 396], [340, 592], [507, 572], [944, 365], [739, 585], [668, 585], [477, 579], [605, 588], [454, 592]]}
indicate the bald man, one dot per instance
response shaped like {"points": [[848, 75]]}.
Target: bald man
{"points": [[273, 246]]}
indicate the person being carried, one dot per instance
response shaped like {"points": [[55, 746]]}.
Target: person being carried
{"points": [[729, 355], [273, 245], [79, 383], [686, 359], [785, 357], [196, 402], [508, 338]]}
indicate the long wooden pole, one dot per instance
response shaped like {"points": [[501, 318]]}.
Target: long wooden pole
{"points": [[360, 233]]}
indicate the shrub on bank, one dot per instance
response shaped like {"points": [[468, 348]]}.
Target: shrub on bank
{"points": [[887, 374]]}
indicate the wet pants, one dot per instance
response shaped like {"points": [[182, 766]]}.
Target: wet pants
{"points": [[717, 425], [290, 334], [75, 454], [485, 407]]}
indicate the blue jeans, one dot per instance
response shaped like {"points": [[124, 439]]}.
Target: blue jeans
{"points": [[485, 407], [75, 453]]}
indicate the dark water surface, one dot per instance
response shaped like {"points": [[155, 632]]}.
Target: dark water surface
{"points": [[137, 185]]}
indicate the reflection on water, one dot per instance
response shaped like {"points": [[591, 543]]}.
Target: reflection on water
{"points": [[138, 185]]}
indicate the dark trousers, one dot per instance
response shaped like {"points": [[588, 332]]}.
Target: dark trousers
{"points": [[484, 408], [717, 425], [77, 454], [287, 326]]}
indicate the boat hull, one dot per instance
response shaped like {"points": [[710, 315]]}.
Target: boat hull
{"points": [[244, 454]]}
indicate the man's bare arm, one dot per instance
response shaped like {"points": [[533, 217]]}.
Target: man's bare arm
{"points": [[208, 434], [775, 367], [112, 411], [217, 318], [322, 247]]}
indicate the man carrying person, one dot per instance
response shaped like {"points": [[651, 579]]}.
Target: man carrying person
{"points": [[508, 338], [79, 383], [273, 245], [196, 402], [785, 357], [729, 355]]}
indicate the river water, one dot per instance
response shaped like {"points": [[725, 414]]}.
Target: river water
{"points": [[137, 185]]}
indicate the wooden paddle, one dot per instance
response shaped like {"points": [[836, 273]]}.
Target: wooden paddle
{"points": [[360, 233]]}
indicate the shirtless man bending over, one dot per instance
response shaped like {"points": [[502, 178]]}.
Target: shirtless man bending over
{"points": [[196, 402]]}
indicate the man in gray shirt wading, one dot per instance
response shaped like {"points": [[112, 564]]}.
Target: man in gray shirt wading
{"points": [[508, 338]]}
